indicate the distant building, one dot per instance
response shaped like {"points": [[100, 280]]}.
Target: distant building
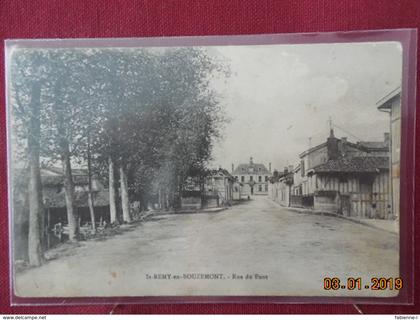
{"points": [[391, 103], [253, 176], [55, 202], [237, 190], [221, 183], [280, 186], [217, 189]]}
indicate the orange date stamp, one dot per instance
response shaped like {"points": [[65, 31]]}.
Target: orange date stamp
{"points": [[375, 283]]}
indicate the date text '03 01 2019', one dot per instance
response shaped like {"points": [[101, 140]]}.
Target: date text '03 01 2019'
{"points": [[375, 283]]}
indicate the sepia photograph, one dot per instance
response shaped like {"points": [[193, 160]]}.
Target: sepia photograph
{"points": [[204, 170]]}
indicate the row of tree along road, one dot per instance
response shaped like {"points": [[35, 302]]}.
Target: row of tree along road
{"points": [[143, 120]]}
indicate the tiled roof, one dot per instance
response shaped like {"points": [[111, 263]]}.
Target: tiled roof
{"points": [[58, 180], [59, 171], [53, 191], [353, 165], [53, 176], [373, 144], [220, 172], [54, 199], [248, 168]]}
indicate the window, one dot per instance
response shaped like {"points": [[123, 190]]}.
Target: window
{"points": [[266, 178], [251, 178], [266, 187], [242, 178], [342, 179], [259, 187], [259, 169], [236, 177], [259, 178], [366, 183]]}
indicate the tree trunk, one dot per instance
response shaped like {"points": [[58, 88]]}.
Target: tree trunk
{"points": [[160, 199], [125, 203], [112, 200], [36, 208], [91, 211], [143, 206], [90, 195], [167, 205], [72, 220]]}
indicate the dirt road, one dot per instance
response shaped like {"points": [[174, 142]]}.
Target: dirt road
{"points": [[282, 252]]}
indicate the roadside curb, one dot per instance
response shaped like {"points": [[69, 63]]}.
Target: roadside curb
{"points": [[215, 210], [332, 214], [367, 224]]}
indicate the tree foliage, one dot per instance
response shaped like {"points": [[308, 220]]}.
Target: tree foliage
{"points": [[152, 111]]}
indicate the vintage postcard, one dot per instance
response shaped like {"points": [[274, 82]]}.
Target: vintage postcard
{"points": [[194, 169]]}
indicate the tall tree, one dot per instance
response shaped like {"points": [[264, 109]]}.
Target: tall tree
{"points": [[190, 113], [65, 113], [148, 117], [36, 208], [27, 81], [126, 96]]}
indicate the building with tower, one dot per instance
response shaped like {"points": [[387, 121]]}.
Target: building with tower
{"points": [[253, 176]]}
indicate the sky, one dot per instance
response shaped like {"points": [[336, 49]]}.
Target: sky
{"points": [[279, 98]]}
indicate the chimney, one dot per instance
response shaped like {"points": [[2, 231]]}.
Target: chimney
{"points": [[233, 167], [291, 168], [333, 146], [386, 138], [269, 167], [285, 170], [251, 161]]}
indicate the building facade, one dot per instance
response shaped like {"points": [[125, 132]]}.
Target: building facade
{"points": [[217, 189], [339, 176], [391, 103], [54, 202], [354, 187], [253, 176], [221, 183], [54, 196], [280, 187]]}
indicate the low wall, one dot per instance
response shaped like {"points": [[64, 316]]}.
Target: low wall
{"points": [[190, 203], [212, 203], [327, 201], [296, 201]]}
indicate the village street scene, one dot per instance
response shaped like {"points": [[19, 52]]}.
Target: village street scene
{"points": [[204, 171]]}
